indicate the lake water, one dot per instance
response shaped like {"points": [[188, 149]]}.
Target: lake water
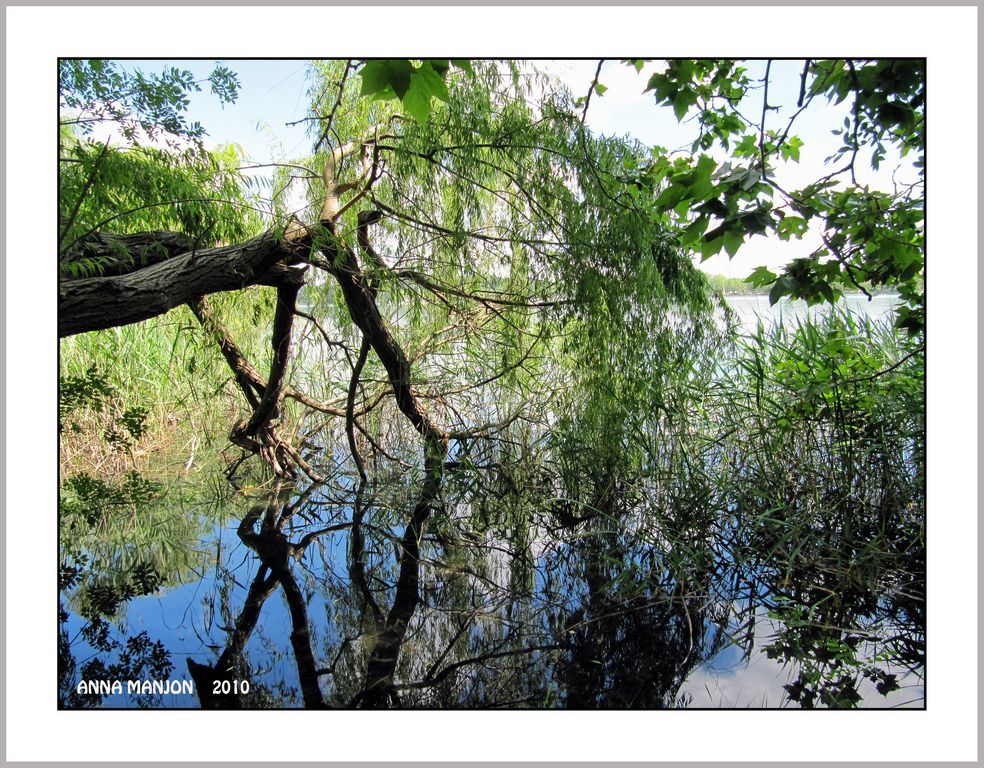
{"points": [[751, 308], [519, 596]]}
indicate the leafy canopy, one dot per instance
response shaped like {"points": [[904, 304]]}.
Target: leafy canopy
{"points": [[870, 238], [132, 161]]}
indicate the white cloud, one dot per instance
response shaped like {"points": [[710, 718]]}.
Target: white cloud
{"points": [[759, 683]]}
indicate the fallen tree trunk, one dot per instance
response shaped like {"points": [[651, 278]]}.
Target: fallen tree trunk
{"points": [[96, 303]]}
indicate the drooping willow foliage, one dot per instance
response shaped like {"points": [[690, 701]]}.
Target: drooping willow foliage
{"points": [[616, 473], [510, 238]]}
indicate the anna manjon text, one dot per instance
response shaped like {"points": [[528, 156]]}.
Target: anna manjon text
{"points": [[140, 687], [152, 687]]}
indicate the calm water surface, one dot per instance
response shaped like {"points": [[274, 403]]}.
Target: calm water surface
{"points": [[316, 596], [751, 308]]}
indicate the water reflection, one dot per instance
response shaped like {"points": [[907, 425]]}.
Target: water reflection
{"points": [[274, 551], [429, 594], [759, 518]]}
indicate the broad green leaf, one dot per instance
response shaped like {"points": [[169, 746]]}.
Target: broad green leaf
{"points": [[429, 82], [761, 276], [671, 196], [438, 65], [782, 287], [417, 102], [747, 146], [791, 148], [382, 76], [711, 248], [791, 226], [682, 103], [827, 292], [693, 232]]}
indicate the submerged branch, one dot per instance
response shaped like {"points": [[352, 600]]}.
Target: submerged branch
{"points": [[269, 406]]}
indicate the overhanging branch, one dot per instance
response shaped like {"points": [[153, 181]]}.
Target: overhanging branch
{"points": [[97, 303]]}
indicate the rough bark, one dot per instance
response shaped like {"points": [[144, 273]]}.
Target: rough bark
{"points": [[97, 303], [260, 433], [247, 377], [269, 405]]}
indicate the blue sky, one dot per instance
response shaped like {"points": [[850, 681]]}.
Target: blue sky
{"points": [[274, 93]]}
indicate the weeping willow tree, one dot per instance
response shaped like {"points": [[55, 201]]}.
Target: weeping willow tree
{"points": [[467, 252], [466, 312]]}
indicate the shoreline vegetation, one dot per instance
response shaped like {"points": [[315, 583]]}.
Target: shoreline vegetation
{"points": [[737, 286]]}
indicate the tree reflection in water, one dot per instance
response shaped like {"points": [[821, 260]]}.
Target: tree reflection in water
{"points": [[541, 568], [482, 601]]}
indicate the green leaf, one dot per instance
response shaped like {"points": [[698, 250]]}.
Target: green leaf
{"points": [[747, 146], [418, 104], [429, 82], [671, 197], [791, 149], [732, 242], [761, 276], [464, 65], [782, 287], [710, 248], [714, 207], [791, 226], [692, 233], [439, 65], [682, 103], [600, 89], [828, 293], [425, 83], [382, 76], [756, 222], [661, 84]]}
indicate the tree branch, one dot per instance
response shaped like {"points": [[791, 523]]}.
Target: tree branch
{"points": [[97, 303], [591, 90]]}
